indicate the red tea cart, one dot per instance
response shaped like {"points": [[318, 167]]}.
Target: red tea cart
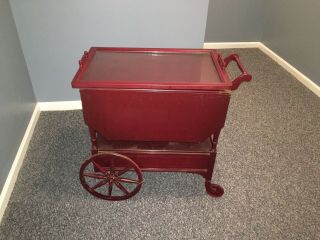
{"points": [[152, 110]]}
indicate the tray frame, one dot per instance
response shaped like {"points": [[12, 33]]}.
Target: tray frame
{"points": [[84, 63]]}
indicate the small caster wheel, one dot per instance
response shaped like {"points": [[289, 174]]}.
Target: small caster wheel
{"points": [[214, 190], [111, 176]]}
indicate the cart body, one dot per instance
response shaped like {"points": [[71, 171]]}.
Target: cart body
{"points": [[162, 109]]}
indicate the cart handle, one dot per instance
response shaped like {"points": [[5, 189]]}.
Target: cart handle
{"points": [[84, 58], [244, 77]]}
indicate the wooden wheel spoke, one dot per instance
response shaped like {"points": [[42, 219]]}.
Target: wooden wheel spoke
{"points": [[103, 175], [123, 171], [112, 166], [99, 184], [127, 180], [110, 188], [98, 167], [122, 188], [94, 175]]}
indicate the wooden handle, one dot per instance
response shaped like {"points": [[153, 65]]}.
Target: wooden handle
{"points": [[244, 77]]}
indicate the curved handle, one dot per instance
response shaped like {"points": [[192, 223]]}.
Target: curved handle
{"points": [[83, 59], [244, 77]]}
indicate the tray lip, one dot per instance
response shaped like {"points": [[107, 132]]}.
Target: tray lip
{"points": [[225, 84]]}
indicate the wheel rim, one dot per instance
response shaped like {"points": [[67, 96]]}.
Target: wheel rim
{"points": [[111, 176]]}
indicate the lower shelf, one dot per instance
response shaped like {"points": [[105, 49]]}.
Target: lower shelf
{"points": [[119, 165], [113, 176], [155, 147], [163, 156]]}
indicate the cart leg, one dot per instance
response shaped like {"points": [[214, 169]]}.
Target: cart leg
{"points": [[213, 190], [93, 136]]}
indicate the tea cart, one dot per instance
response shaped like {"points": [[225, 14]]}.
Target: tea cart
{"points": [[155, 109]]}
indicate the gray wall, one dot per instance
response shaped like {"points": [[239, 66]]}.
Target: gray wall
{"points": [[234, 20], [54, 34], [17, 100], [292, 30], [288, 27]]}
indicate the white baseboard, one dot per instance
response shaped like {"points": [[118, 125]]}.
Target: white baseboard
{"points": [[307, 82], [291, 69], [60, 106], [17, 163], [225, 45]]}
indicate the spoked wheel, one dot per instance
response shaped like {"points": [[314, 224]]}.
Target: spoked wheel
{"points": [[111, 176]]}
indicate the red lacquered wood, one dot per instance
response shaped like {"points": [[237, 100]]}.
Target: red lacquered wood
{"points": [[214, 190], [108, 169], [192, 73], [152, 109], [171, 157], [163, 156], [93, 136], [150, 68], [158, 115], [203, 147], [244, 77]]}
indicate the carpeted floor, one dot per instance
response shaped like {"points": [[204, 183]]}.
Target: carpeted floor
{"points": [[268, 162]]}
